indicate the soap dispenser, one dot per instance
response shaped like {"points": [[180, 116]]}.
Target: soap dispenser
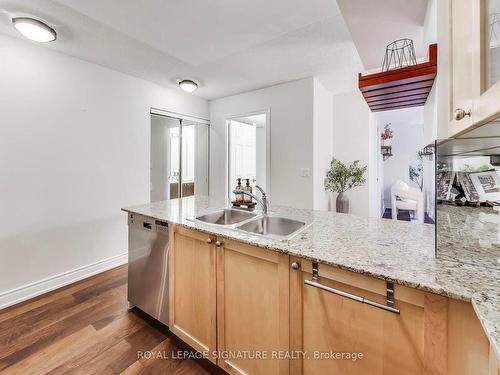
{"points": [[238, 196], [248, 189]]}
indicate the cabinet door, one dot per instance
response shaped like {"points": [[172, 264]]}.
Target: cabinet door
{"points": [[342, 336], [464, 50], [253, 309], [192, 278], [475, 63], [487, 34]]}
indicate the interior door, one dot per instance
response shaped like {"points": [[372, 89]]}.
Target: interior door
{"points": [[165, 158], [179, 157], [195, 158]]}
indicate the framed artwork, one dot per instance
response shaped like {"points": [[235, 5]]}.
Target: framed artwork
{"points": [[444, 182], [471, 194], [487, 185]]}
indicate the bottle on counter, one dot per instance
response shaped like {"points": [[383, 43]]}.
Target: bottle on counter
{"points": [[248, 189], [238, 197]]}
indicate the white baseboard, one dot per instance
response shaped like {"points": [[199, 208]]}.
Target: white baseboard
{"points": [[25, 292]]}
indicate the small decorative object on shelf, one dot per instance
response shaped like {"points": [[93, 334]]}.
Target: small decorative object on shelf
{"points": [[399, 54], [386, 152], [341, 178], [386, 135], [427, 151]]}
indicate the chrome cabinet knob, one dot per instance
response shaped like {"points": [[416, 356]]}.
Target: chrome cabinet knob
{"points": [[218, 243], [209, 240], [295, 266], [460, 114]]}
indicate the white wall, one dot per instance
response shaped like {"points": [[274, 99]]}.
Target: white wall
{"points": [[353, 137], [322, 144], [74, 149], [407, 141], [291, 123], [408, 129]]}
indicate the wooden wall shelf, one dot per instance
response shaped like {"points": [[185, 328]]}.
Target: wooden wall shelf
{"points": [[400, 88]]}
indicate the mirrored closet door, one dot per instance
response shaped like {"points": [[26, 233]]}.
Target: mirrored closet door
{"points": [[179, 157]]}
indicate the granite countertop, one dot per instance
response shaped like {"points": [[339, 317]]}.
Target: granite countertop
{"points": [[402, 252], [469, 235]]}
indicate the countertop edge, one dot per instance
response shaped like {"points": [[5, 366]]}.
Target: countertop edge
{"points": [[380, 276]]}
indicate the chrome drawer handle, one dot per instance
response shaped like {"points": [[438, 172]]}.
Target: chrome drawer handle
{"points": [[352, 296], [209, 240], [218, 243], [389, 290]]}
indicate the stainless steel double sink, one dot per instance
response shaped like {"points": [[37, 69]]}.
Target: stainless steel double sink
{"points": [[264, 225]]}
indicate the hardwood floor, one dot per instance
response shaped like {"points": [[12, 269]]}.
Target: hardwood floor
{"points": [[86, 328]]}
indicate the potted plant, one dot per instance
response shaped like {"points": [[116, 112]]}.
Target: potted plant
{"points": [[386, 135], [341, 178]]}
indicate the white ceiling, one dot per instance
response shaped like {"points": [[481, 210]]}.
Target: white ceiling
{"points": [[229, 46], [413, 116], [375, 24]]}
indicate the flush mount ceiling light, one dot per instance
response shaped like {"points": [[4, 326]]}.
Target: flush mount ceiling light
{"points": [[188, 85], [34, 29]]}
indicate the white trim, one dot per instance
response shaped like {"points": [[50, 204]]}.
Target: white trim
{"points": [[25, 292], [161, 112]]}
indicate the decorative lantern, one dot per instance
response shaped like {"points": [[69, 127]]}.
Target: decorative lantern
{"points": [[399, 54]]}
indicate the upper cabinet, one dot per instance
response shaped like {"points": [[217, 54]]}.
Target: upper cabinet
{"points": [[475, 64]]}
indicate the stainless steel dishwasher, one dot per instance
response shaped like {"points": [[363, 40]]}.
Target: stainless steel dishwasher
{"points": [[148, 248]]}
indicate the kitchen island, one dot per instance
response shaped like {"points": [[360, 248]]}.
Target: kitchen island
{"points": [[376, 250]]}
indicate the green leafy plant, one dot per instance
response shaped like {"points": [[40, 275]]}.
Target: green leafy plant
{"points": [[341, 177]]}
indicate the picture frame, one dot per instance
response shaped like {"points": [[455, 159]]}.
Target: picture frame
{"points": [[444, 182], [487, 185], [470, 192]]}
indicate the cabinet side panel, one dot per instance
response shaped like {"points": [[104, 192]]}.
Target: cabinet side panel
{"points": [[468, 347]]}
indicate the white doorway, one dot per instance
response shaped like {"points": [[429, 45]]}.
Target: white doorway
{"points": [[407, 129], [248, 150]]}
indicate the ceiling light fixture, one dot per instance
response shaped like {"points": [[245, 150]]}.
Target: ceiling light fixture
{"points": [[34, 29], [188, 85]]}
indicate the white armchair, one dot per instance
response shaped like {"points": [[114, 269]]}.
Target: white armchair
{"points": [[405, 198]]}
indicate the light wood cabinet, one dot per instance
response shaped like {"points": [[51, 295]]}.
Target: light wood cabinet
{"points": [[475, 63], [371, 340], [249, 309], [192, 289], [252, 309], [468, 347], [231, 301]]}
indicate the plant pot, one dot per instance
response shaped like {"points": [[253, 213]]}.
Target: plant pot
{"points": [[342, 203]]}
